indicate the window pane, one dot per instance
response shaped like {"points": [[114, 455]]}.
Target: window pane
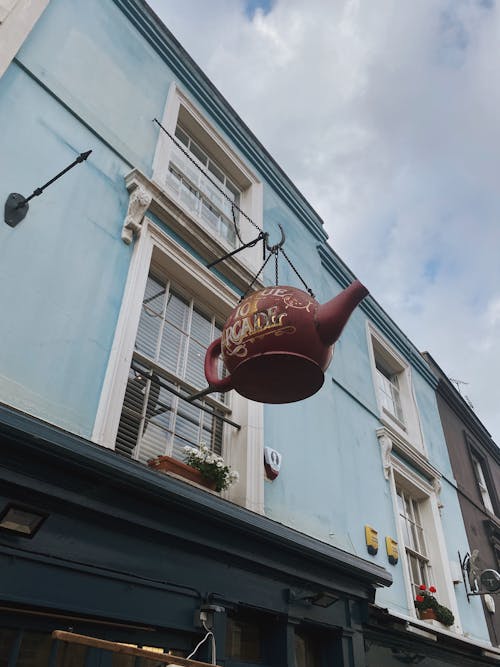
{"points": [[148, 333], [201, 328], [151, 317], [6, 641], [181, 135], [187, 427], [158, 424], [195, 373], [177, 312], [198, 153], [35, 650], [215, 171], [405, 531], [154, 296], [307, 652], [243, 641], [71, 655], [173, 350]]}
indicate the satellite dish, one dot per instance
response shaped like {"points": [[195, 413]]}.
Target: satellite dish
{"points": [[490, 580]]}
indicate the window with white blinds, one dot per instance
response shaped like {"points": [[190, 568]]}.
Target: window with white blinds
{"points": [[173, 335]]}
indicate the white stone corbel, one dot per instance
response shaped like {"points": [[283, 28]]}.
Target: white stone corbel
{"points": [[385, 450], [138, 204], [436, 485]]}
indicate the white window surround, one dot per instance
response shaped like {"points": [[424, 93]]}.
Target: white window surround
{"points": [[482, 484], [409, 430], [426, 493], [17, 19], [179, 107], [242, 449]]}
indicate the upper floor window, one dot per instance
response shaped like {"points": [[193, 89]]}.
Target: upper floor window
{"points": [[394, 390], [203, 175], [200, 184], [388, 390], [481, 482]]}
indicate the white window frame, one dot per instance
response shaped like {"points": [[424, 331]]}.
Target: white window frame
{"points": [[426, 493], [243, 450], [410, 429], [17, 19], [251, 201], [482, 484]]}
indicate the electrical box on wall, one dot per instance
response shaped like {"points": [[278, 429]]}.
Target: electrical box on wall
{"points": [[272, 462], [371, 537], [392, 550]]}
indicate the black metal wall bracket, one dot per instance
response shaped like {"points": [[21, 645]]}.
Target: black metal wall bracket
{"points": [[16, 206]]}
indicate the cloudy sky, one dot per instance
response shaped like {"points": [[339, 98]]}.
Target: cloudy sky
{"points": [[386, 116]]}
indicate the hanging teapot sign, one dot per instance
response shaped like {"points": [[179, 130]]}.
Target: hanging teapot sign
{"points": [[278, 342]]}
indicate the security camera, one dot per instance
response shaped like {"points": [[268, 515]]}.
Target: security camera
{"points": [[490, 580]]}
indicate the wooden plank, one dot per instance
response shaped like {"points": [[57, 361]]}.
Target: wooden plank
{"points": [[116, 647]]}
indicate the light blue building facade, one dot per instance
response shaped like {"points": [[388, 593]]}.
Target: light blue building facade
{"points": [[108, 306]]}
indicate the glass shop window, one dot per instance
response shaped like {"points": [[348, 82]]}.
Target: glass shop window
{"points": [[244, 640], [7, 638]]}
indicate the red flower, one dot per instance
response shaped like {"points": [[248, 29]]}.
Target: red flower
{"points": [[432, 589], [423, 587], [420, 598]]}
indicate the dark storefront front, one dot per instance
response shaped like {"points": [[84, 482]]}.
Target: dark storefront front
{"points": [[130, 555], [391, 641]]}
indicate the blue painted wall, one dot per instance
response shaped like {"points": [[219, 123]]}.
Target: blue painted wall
{"points": [[332, 483], [63, 270]]}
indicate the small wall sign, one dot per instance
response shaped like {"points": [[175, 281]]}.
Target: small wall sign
{"points": [[272, 462], [392, 550], [371, 537]]}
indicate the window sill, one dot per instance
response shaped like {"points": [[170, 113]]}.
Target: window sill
{"points": [[199, 238]]}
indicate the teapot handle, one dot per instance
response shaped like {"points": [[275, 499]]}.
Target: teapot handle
{"points": [[211, 362]]}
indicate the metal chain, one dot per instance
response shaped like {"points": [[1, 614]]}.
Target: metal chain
{"points": [[297, 273], [276, 267], [236, 228], [255, 278]]}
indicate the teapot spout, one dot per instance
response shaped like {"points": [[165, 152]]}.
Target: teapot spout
{"points": [[331, 317]]}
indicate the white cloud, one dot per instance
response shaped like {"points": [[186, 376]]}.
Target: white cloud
{"points": [[385, 116]]}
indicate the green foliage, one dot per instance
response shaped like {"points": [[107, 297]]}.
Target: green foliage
{"points": [[211, 466], [426, 600], [444, 615]]}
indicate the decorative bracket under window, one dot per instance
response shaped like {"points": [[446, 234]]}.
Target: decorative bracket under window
{"points": [[386, 449], [138, 204]]}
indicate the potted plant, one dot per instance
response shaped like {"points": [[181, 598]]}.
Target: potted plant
{"points": [[429, 608], [211, 466], [201, 466]]}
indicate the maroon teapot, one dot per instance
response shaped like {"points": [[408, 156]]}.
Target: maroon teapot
{"points": [[278, 342]]}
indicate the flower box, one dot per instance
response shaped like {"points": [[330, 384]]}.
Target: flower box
{"points": [[430, 610], [176, 467]]}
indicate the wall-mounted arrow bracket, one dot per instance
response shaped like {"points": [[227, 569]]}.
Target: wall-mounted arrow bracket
{"points": [[16, 206]]}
